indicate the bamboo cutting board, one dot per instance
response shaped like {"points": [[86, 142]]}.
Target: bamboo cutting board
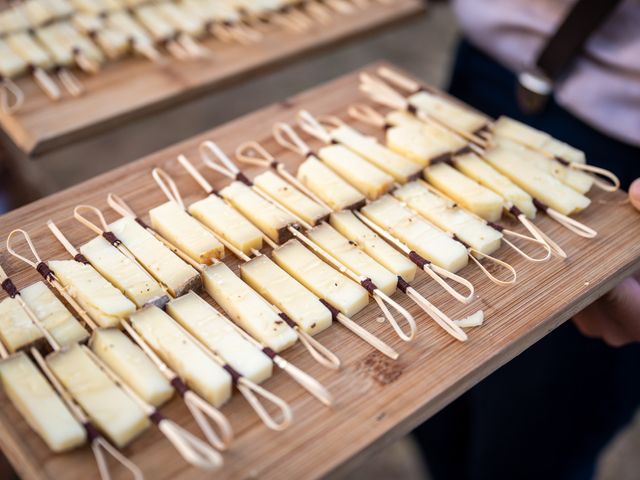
{"points": [[377, 400], [131, 88]]}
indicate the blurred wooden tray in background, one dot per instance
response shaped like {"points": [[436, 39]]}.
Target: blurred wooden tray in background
{"points": [[377, 400], [130, 88]]}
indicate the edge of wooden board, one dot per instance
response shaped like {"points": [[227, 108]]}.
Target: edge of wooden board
{"points": [[177, 87], [386, 418]]}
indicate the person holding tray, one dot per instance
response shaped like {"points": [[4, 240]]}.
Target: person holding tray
{"points": [[572, 69]]}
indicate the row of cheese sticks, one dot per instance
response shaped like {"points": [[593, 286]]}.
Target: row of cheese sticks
{"points": [[44, 37]]}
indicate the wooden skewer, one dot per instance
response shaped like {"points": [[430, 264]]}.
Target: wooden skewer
{"points": [[319, 352], [200, 409], [304, 379], [99, 445], [336, 315], [11, 96], [383, 301]]}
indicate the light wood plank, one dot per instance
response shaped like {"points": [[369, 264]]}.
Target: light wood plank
{"points": [[377, 399], [131, 88]]}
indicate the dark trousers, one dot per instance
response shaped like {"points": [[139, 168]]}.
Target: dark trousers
{"points": [[549, 412]]}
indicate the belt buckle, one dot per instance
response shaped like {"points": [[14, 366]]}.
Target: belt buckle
{"points": [[533, 91]]}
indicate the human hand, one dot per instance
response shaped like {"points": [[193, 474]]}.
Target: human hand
{"points": [[615, 318]]}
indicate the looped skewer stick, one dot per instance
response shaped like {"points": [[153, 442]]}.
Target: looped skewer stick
{"points": [[99, 445], [383, 300], [505, 231], [200, 409], [613, 183], [191, 448], [47, 274], [11, 96], [336, 315], [318, 351], [304, 379], [249, 389], [46, 84], [70, 82], [288, 138], [368, 115]]}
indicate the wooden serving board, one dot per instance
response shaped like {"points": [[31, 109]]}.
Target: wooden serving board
{"points": [[376, 400], [130, 88]]}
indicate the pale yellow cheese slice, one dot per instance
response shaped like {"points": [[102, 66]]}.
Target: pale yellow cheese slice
{"points": [[467, 192], [165, 266], [124, 273], [442, 214], [398, 166], [116, 414], [223, 219], [198, 370], [476, 168], [291, 198], [213, 330], [186, 233], [286, 293], [351, 256], [132, 365], [328, 186], [367, 178], [448, 112], [325, 282], [351, 227], [418, 234], [269, 218], [248, 309], [39, 404], [104, 303]]}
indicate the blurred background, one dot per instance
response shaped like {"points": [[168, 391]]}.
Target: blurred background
{"points": [[424, 46]]}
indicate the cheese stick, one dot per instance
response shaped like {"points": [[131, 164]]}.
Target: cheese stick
{"points": [[328, 186], [38, 403], [538, 183], [351, 227], [124, 23], [161, 30], [365, 177], [182, 19], [24, 45], [328, 284], [165, 266], [186, 233], [580, 181], [60, 8], [105, 304], [418, 234], [289, 196], [399, 167], [114, 42], [286, 293], [421, 142], [199, 371], [53, 315], [248, 309], [448, 112], [110, 409], [18, 331], [468, 193], [61, 50], [210, 327], [11, 64], [132, 365], [272, 220], [37, 12], [506, 127], [476, 168], [223, 219], [13, 20], [123, 273], [212, 11], [356, 260], [441, 213]]}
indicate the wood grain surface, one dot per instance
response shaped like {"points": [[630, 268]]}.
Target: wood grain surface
{"points": [[377, 400], [130, 88]]}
